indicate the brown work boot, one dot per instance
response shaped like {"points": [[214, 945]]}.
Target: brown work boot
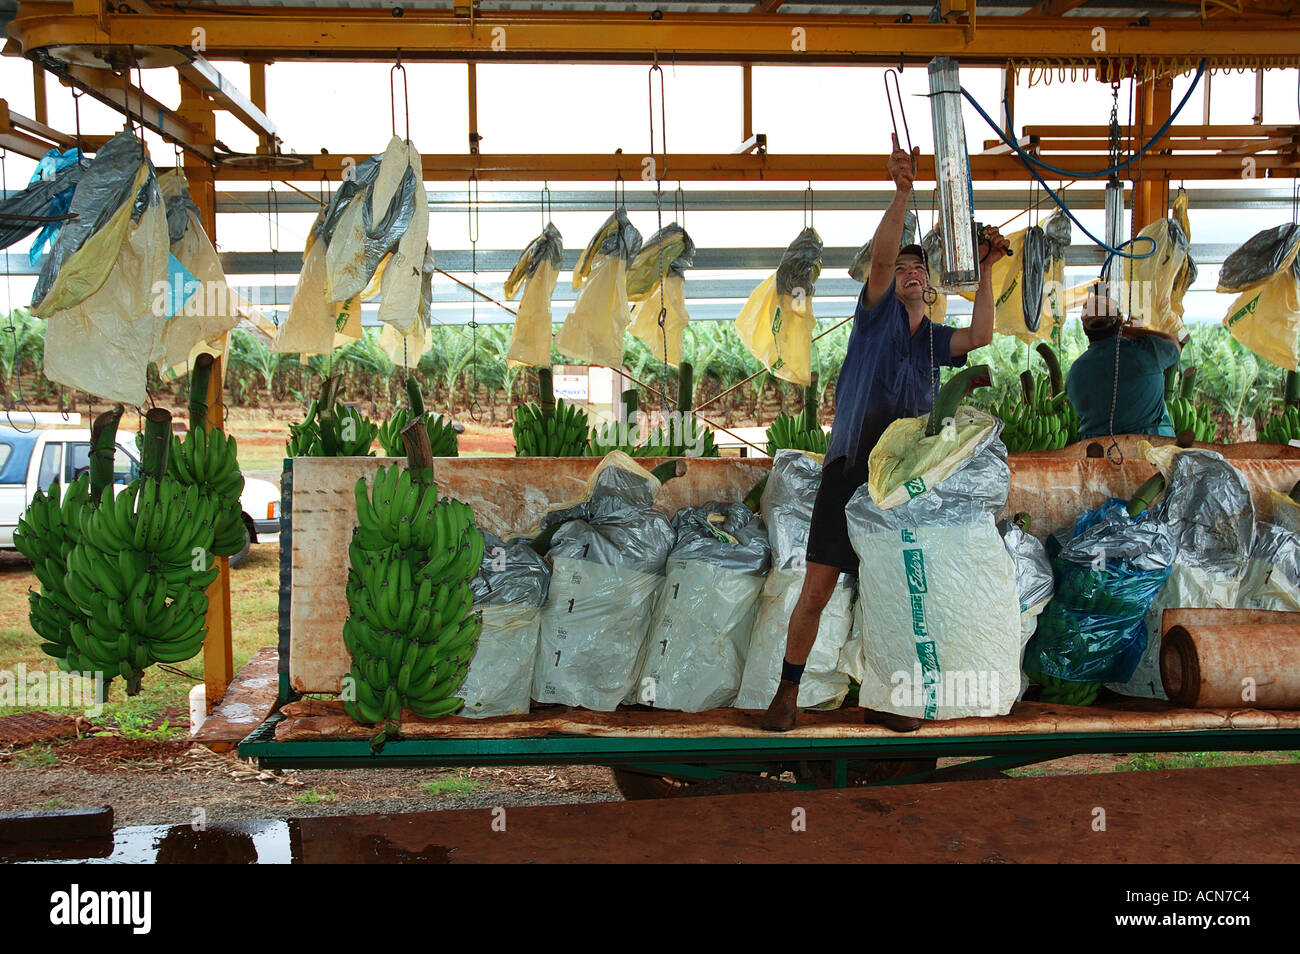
{"points": [[779, 716], [892, 721]]}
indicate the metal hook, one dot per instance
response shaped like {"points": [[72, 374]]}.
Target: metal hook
{"points": [[392, 96], [661, 169], [808, 205], [471, 205], [889, 100], [546, 204], [618, 178], [679, 205]]}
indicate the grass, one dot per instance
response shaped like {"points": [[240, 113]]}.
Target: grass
{"points": [[52, 804], [316, 797], [35, 756], [1154, 762], [254, 600], [458, 784]]}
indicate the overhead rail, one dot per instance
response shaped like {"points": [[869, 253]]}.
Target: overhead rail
{"points": [[527, 35]]}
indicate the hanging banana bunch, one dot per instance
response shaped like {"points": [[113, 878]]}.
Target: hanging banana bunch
{"points": [[210, 459], [1281, 429], [1043, 417], [550, 428], [802, 431], [331, 429], [137, 564], [410, 631], [45, 535], [443, 441], [1185, 414]]}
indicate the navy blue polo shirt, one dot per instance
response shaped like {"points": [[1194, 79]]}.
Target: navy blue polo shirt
{"points": [[886, 375]]}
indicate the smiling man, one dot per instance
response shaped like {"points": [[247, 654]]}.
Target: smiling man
{"points": [[891, 370]]}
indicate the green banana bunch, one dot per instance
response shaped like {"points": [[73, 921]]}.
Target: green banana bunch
{"points": [[442, 435], [411, 630], [210, 459], [560, 433], [1187, 416], [1040, 420], [138, 574], [690, 438], [797, 432], [343, 432], [45, 535], [1065, 692], [1282, 429]]}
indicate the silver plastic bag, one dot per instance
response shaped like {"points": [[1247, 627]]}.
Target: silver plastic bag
{"points": [[797, 274], [786, 506], [1260, 257], [861, 264], [510, 573]]}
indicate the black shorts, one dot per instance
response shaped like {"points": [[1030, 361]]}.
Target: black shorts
{"points": [[828, 536]]}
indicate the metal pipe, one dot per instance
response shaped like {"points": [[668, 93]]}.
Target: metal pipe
{"points": [[1115, 237], [960, 271]]}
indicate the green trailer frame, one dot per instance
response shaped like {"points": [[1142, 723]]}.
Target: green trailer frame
{"points": [[695, 758]]}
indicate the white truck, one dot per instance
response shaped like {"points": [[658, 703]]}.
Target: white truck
{"points": [[37, 458]]}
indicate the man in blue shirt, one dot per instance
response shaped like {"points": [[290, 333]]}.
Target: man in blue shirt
{"points": [[1139, 394], [891, 370]]}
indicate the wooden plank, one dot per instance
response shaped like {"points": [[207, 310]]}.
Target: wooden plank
{"points": [[1179, 130], [247, 701], [57, 825], [316, 719]]}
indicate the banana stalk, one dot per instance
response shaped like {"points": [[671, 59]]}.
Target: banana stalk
{"points": [[199, 379], [103, 448], [1188, 388], [1053, 366], [157, 442], [1146, 495], [952, 393], [1292, 389]]}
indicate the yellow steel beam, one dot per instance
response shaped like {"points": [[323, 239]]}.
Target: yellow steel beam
{"points": [[370, 34], [38, 93], [750, 166], [208, 80], [25, 136]]}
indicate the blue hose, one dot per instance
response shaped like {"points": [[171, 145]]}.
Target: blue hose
{"points": [[1032, 161]]}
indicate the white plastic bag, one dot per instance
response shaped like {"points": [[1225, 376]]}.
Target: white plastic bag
{"points": [[957, 653], [593, 629], [699, 637], [500, 678], [822, 683], [645, 319]]}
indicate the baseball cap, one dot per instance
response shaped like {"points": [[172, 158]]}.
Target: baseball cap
{"points": [[916, 250]]}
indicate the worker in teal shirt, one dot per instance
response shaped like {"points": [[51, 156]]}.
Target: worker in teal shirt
{"points": [[1144, 355]]}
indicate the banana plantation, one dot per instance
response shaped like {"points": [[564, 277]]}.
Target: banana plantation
{"points": [[1238, 389]]}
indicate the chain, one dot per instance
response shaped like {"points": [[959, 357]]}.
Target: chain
{"points": [[472, 206], [660, 172], [1113, 452], [273, 240]]}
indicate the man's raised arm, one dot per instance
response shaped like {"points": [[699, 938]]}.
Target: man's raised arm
{"points": [[884, 245]]}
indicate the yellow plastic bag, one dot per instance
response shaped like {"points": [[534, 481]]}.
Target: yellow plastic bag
{"points": [[309, 326], [530, 343], [1266, 317], [86, 270], [593, 331], [104, 343], [404, 350], [1155, 280], [213, 309], [777, 330], [1286, 512], [645, 319], [905, 463]]}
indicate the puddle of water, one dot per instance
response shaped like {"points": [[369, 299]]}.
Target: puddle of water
{"points": [[267, 842]]}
